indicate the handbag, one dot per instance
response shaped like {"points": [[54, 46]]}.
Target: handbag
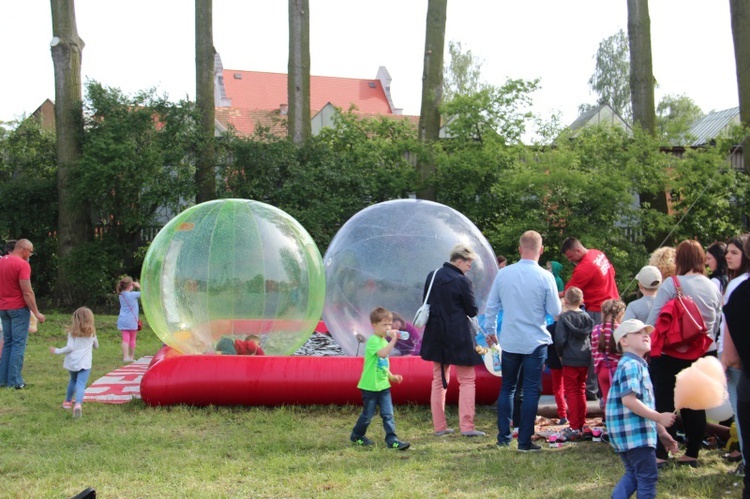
{"points": [[140, 322], [680, 330], [423, 312]]}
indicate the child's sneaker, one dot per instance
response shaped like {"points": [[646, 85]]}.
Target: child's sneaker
{"points": [[563, 421], [570, 435], [555, 441], [363, 441], [596, 434], [399, 445], [68, 404], [77, 411], [586, 432]]}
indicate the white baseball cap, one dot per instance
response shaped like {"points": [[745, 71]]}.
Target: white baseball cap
{"points": [[649, 277], [630, 326]]}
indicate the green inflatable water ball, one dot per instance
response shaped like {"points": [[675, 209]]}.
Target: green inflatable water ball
{"points": [[231, 268]]}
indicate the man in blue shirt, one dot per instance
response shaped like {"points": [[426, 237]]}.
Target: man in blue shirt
{"points": [[526, 293]]}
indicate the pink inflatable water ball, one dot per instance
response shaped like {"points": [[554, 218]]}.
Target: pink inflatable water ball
{"points": [[381, 257]]}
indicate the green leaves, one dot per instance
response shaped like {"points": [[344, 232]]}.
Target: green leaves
{"points": [[137, 172], [611, 78], [28, 194], [322, 184], [491, 114]]}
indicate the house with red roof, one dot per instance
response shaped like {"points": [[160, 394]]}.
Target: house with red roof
{"points": [[246, 100]]}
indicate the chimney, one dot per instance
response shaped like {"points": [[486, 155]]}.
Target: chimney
{"points": [[283, 109]]}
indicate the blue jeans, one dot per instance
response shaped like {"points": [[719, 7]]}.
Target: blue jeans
{"points": [[733, 379], [532, 365], [77, 385], [743, 418], [370, 400], [15, 333], [641, 474]]}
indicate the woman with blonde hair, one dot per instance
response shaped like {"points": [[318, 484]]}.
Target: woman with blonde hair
{"points": [[664, 259], [447, 340]]}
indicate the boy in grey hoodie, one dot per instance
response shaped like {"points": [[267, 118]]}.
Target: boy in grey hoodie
{"points": [[573, 345]]}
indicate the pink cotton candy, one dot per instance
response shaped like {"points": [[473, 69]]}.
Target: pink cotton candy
{"points": [[713, 368], [703, 385]]}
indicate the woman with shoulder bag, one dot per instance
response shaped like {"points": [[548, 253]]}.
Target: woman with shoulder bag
{"points": [[447, 339], [690, 260]]}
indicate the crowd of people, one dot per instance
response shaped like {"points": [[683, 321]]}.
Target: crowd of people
{"points": [[597, 347], [19, 316]]}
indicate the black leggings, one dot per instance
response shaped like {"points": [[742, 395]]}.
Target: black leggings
{"points": [[663, 370]]}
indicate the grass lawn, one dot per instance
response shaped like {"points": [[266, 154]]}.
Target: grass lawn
{"points": [[137, 451]]}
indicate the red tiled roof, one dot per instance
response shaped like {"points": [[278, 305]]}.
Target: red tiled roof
{"points": [[267, 91], [245, 120]]}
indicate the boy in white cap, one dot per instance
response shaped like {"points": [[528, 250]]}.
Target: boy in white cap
{"points": [[632, 422], [649, 280]]}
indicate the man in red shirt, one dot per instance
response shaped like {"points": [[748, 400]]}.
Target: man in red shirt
{"points": [[595, 276], [17, 303]]}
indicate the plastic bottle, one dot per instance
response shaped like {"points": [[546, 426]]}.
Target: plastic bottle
{"points": [[497, 365]]}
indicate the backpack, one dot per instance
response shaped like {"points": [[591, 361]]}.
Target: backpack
{"points": [[680, 330]]}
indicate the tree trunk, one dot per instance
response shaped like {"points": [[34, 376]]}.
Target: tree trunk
{"points": [[205, 177], [641, 68], [740, 14], [642, 97], [298, 77], [73, 226], [432, 93]]}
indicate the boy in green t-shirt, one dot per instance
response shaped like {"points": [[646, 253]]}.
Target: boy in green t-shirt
{"points": [[375, 382]]}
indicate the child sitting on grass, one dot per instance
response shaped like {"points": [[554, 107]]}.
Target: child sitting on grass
{"points": [[632, 422], [79, 352], [375, 382]]}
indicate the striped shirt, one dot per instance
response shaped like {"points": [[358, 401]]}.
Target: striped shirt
{"points": [[601, 357], [626, 429]]}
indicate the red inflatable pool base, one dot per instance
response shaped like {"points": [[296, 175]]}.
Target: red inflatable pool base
{"points": [[200, 380]]}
